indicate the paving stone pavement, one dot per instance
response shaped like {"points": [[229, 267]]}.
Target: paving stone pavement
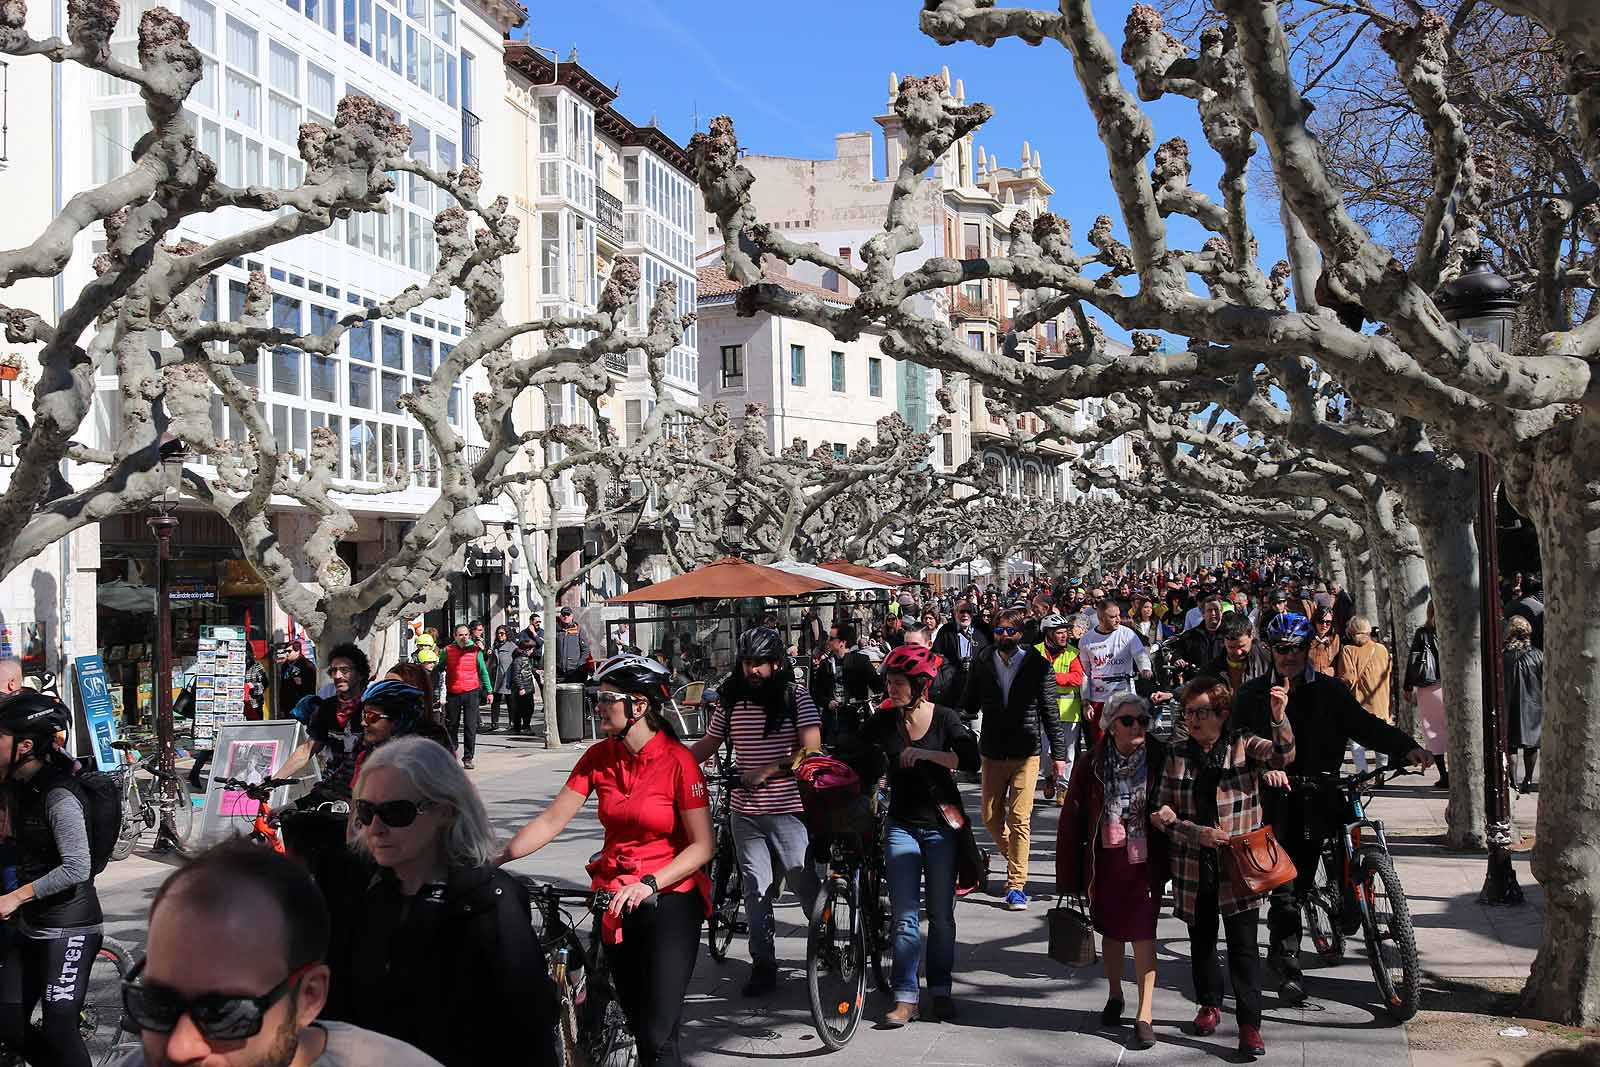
{"points": [[1018, 1007]]}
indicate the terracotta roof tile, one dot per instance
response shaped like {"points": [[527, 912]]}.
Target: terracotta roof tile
{"points": [[714, 282]]}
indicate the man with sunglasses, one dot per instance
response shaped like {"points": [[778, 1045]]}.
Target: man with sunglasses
{"points": [[234, 972], [1325, 716], [1013, 688], [335, 729]]}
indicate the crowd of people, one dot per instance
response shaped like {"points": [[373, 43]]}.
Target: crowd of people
{"points": [[402, 922]]}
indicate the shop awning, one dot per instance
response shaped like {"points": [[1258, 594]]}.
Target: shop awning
{"points": [[725, 579], [871, 574], [833, 576]]}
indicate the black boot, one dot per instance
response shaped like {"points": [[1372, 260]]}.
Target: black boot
{"points": [[1444, 772]]}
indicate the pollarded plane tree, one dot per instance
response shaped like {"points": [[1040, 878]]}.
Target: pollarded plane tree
{"points": [[143, 317], [1533, 409]]}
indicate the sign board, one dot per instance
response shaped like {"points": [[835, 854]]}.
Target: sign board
{"points": [[99, 710], [251, 751]]}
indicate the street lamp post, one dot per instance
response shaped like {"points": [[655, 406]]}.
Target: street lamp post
{"points": [[162, 525], [1482, 305], [733, 531]]}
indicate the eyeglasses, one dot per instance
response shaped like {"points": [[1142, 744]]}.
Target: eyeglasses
{"points": [[1141, 721], [219, 1016], [1006, 630], [337, 670], [1202, 709], [370, 717], [396, 814]]}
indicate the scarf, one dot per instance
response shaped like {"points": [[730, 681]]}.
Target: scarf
{"points": [[1127, 775], [347, 708]]}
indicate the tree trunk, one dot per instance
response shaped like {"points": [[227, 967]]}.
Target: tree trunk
{"points": [[1338, 567], [1364, 580], [1558, 486], [1443, 510]]}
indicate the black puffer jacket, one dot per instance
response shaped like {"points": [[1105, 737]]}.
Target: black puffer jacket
{"points": [[456, 971], [1011, 726]]}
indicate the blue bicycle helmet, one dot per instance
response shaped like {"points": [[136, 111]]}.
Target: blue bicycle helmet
{"points": [[1289, 626], [402, 703]]}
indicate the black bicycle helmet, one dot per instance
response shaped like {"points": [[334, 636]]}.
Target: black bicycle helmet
{"points": [[636, 674], [762, 643], [402, 703], [33, 714]]}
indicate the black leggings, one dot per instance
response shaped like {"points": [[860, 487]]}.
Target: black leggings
{"points": [[651, 971], [57, 972]]}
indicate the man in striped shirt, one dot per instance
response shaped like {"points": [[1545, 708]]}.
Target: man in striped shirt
{"points": [[768, 719]]}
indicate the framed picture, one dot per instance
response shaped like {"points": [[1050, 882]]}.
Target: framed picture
{"points": [[251, 751]]}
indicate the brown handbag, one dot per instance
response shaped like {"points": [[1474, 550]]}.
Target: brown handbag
{"points": [[1071, 935], [1257, 863]]}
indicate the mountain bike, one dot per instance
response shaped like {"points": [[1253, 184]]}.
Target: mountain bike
{"points": [[1357, 888], [592, 1029], [849, 928], [106, 1032], [143, 783], [727, 878], [264, 822]]}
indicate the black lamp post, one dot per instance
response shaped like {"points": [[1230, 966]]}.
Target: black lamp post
{"points": [[163, 524], [733, 531], [1482, 305]]}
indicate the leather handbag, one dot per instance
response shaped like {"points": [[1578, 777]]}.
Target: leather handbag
{"points": [[1257, 863], [1071, 935]]}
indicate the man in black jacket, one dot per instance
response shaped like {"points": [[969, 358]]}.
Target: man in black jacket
{"points": [[1202, 644], [943, 688], [1014, 688], [1245, 657], [845, 675], [1324, 716], [960, 641]]}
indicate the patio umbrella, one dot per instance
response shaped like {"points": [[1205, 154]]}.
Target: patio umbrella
{"points": [[723, 579]]}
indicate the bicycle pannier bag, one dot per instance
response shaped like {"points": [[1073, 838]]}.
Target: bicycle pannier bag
{"points": [[1257, 863], [1071, 936]]}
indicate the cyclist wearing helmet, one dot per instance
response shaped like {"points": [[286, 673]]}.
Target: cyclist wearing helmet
{"points": [[1056, 646], [658, 839], [54, 914], [1325, 716], [922, 743], [769, 720]]}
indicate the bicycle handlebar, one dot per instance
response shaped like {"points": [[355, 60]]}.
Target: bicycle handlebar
{"points": [[1346, 782], [257, 790]]}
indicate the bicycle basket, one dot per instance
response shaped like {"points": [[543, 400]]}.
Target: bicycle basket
{"points": [[831, 794]]}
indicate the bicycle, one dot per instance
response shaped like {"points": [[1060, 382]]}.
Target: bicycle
{"points": [[141, 798], [727, 877], [1358, 888], [593, 1030], [849, 927], [105, 1030], [264, 825]]}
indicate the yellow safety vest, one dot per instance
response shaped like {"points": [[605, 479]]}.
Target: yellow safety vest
{"points": [[1070, 700]]}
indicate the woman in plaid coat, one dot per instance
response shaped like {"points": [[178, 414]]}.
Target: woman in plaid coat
{"points": [[1210, 791]]}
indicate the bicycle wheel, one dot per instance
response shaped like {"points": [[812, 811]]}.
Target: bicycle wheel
{"points": [[878, 918], [836, 964], [1321, 912], [727, 896], [132, 822], [1391, 941]]}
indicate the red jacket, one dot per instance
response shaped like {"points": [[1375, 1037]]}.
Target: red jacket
{"points": [[1081, 818], [465, 669]]}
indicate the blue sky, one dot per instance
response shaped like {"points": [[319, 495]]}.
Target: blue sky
{"points": [[793, 75]]}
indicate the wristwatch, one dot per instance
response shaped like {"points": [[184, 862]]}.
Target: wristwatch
{"points": [[650, 880]]}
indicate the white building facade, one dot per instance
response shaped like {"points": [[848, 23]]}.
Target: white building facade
{"points": [[437, 66]]}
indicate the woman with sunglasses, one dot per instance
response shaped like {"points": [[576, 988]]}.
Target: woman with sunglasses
{"points": [[1107, 850], [1325, 644], [658, 839], [1210, 791], [438, 950]]}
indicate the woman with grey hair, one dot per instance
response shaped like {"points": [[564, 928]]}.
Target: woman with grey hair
{"points": [[1107, 851], [437, 950]]}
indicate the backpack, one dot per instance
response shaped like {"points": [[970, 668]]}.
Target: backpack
{"points": [[100, 795]]}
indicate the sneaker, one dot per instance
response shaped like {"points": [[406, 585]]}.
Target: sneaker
{"points": [[1205, 1021], [467, 765], [763, 980], [1016, 900], [1250, 1043]]}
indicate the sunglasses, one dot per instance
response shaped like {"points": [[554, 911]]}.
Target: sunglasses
{"points": [[370, 717], [396, 814], [1006, 630], [1288, 647], [613, 698], [1141, 721], [219, 1016]]}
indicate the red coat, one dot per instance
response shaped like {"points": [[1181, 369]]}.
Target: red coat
{"points": [[1082, 816]]}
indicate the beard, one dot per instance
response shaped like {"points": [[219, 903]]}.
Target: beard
{"points": [[1008, 644], [280, 1053]]}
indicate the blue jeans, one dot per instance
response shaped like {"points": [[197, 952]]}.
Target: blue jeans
{"points": [[912, 852]]}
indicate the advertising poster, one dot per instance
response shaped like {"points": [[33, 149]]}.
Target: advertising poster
{"points": [[252, 751], [99, 710]]}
